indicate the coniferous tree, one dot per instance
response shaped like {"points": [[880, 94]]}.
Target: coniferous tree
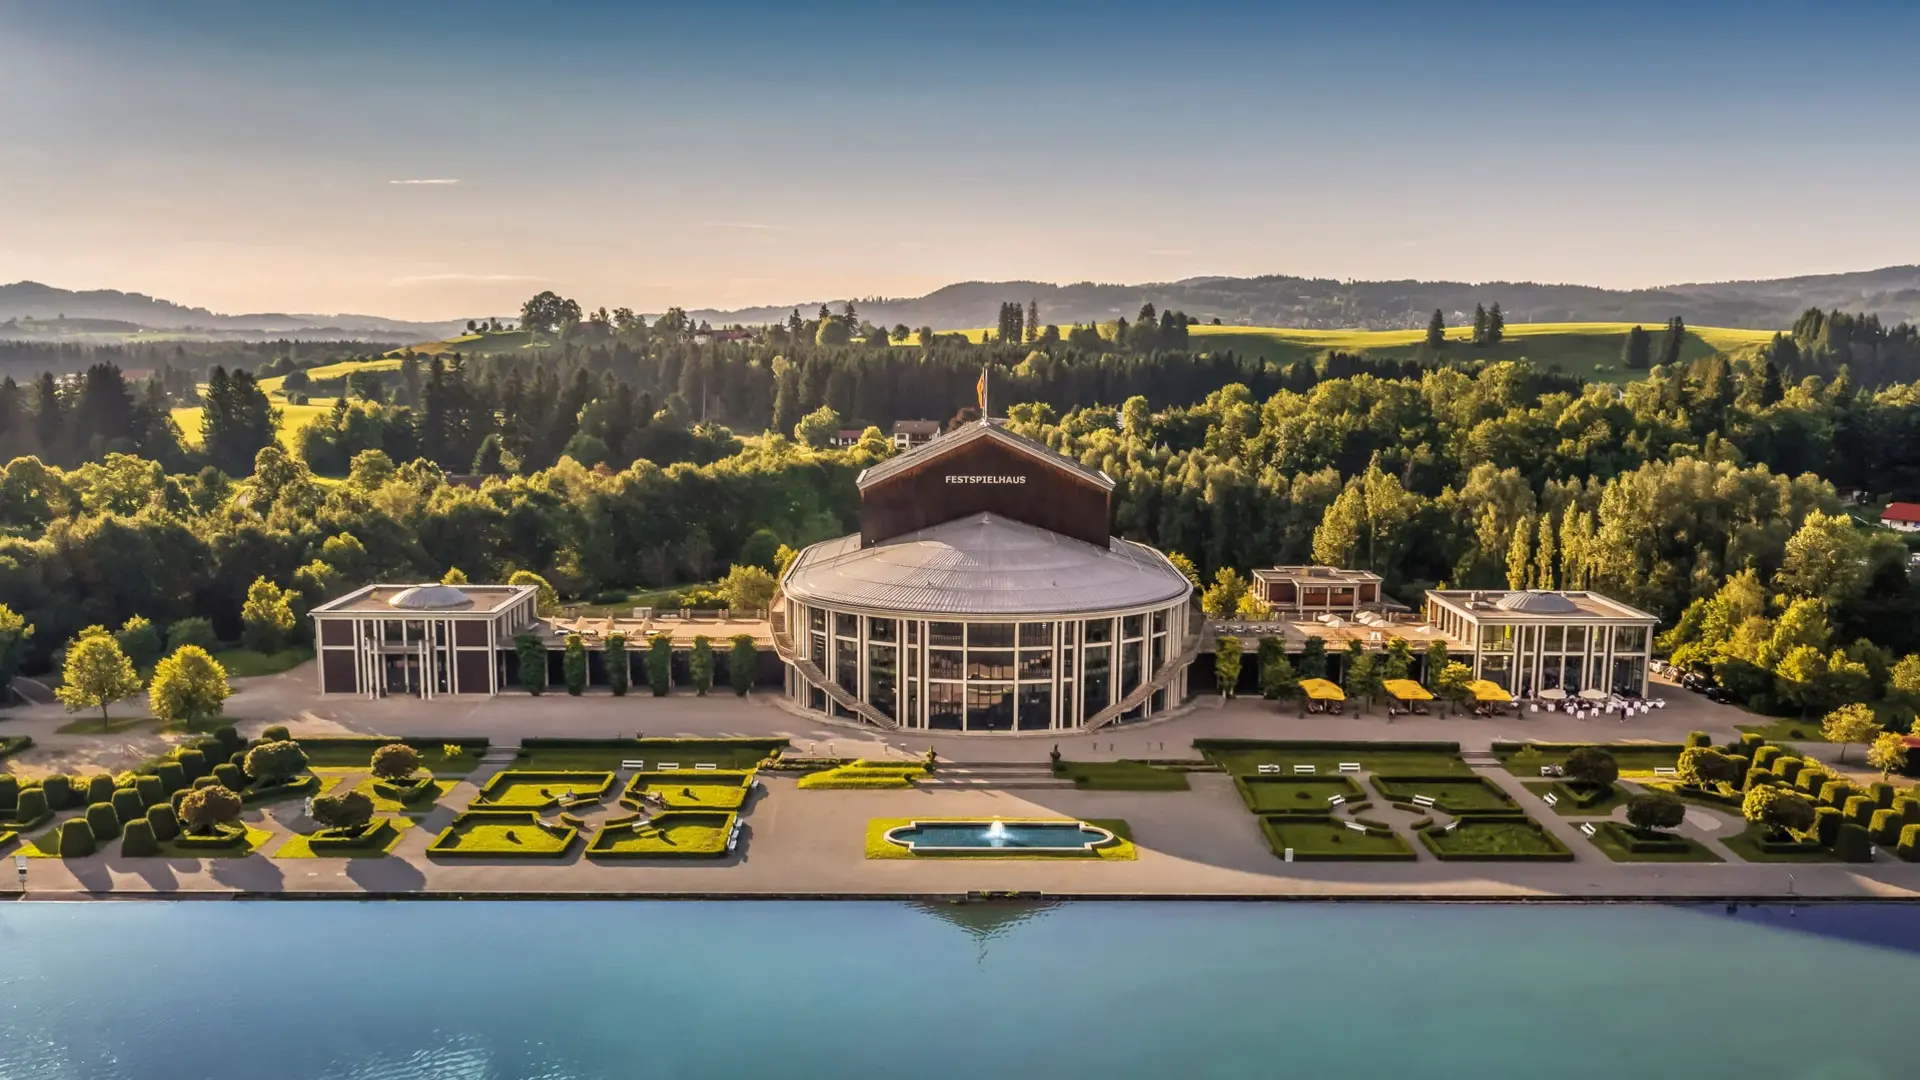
{"points": [[1637, 353], [1496, 324], [1437, 330], [1670, 343], [1479, 325]]}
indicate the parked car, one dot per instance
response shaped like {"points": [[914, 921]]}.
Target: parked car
{"points": [[1719, 694]]}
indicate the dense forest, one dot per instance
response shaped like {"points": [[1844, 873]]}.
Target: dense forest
{"points": [[1712, 493]]}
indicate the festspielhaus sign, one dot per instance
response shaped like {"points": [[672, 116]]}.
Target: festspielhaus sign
{"points": [[957, 479]]}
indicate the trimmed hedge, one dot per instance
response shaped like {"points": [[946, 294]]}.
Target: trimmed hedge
{"points": [[76, 839], [1835, 793], [584, 785], [1343, 744], [163, 821], [375, 835], [228, 836], [127, 805], [1909, 846], [1787, 768], [1908, 809], [702, 835], [1697, 738], [1326, 839], [1645, 842], [103, 821], [152, 792], [481, 834], [299, 785], [1884, 828], [1453, 843], [171, 775], [1402, 789], [1755, 778], [13, 744], [60, 793], [99, 788], [138, 841], [1853, 844], [864, 774], [9, 791], [32, 808], [1859, 810], [229, 776], [1765, 756], [1826, 824], [1881, 793], [413, 794], [193, 764]]}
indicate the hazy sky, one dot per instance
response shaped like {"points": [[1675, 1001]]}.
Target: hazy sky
{"points": [[441, 160]]}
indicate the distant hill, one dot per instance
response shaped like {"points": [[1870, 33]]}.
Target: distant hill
{"points": [[1893, 293], [30, 309]]}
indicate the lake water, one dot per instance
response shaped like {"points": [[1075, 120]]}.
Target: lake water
{"points": [[567, 991]]}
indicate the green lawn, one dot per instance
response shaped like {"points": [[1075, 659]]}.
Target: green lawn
{"points": [[608, 754], [1246, 760], [1785, 730], [1325, 839], [247, 663], [694, 790], [1294, 794], [92, 725], [670, 835], [1612, 839], [297, 846], [256, 837], [1451, 796], [1746, 845], [356, 752], [517, 789], [1495, 839], [506, 834], [1567, 807], [1121, 776]]}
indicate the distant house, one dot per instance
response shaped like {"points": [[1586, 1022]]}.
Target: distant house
{"points": [[908, 434], [1904, 516], [846, 436]]}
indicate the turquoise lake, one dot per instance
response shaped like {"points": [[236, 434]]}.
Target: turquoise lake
{"points": [[575, 990]]}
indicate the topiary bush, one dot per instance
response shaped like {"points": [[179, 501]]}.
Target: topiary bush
{"points": [[1835, 793], [1826, 824], [395, 761], [171, 776], [164, 822], [1811, 780], [138, 840], [103, 821], [206, 810], [229, 776], [127, 805], [1909, 846], [151, 791], [31, 806], [1756, 778], [1698, 738], [76, 838], [205, 781], [229, 739], [1884, 827], [99, 788], [1786, 768], [1765, 756], [1858, 810], [1853, 844], [276, 733], [60, 793], [9, 790], [1908, 809], [193, 763], [1881, 793]]}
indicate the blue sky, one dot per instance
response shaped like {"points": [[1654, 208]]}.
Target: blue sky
{"points": [[244, 156]]}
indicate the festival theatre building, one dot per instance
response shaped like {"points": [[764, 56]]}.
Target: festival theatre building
{"points": [[985, 593]]}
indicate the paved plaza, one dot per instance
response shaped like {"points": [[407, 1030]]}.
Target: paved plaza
{"points": [[1201, 842]]}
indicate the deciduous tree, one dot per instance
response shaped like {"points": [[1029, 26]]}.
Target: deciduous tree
{"points": [[189, 688], [96, 675]]}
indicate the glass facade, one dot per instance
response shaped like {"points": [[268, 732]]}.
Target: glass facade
{"points": [[1568, 653], [994, 676]]}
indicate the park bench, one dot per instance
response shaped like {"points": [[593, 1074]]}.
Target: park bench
{"points": [[1299, 770], [668, 765], [1424, 802], [1587, 827], [1552, 770], [1355, 826], [705, 767], [1665, 770], [633, 763], [1349, 766], [1550, 799], [1269, 769], [1336, 800]]}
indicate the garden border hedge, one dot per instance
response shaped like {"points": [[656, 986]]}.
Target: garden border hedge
{"points": [[376, 835], [1244, 784], [1559, 853], [508, 777], [1384, 784], [229, 837], [1268, 826], [685, 817], [442, 847], [303, 784]]}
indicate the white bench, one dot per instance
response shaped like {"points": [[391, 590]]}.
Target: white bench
{"points": [[1349, 766], [633, 764], [1356, 826], [705, 767], [1550, 799], [1425, 802], [1665, 770], [668, 765], [1264, 769], [1300, 770], [1587, 827], [1336, 800], [1552, 770]]}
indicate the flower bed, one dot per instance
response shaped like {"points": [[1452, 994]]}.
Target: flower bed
{"points": [[1452, 795], [1324, 839], [510, 834], [517, 789], [687, 790], [676, 834], [1495, 839], [1308, 795]]}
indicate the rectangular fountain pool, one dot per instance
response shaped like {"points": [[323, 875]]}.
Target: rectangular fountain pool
{"points": [[938, 836]]}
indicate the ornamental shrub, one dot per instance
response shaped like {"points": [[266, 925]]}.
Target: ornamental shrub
{"points": [[76, 839], [347, 810], [103, 821], [1765, 756], [1826, 824], [1698, 738], [138, 841], [99, 789], [1787, 768], [205, 781], [31, 806], [193, 764], [660, 665], [1811, 780], [276, 733], [1881, 793], [1749, 740], [171, 776], [1757, 778], [60, 793], [229, 739], [1884, 827], [1835, 793], [1655, 811], [1591, 765], [9, 790], [1909, 847], [1858, 810], [205, 810], [573, 665], [619, 667], [1908, 809], [164, 822], [229, 776], [743, 664], [127, 805], [395, 761], [275, 762], [1853, 844]]}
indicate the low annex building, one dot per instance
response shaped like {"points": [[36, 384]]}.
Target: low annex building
{"points": [[985, 593], [424, 640], [1533, 640], [1313, 590]]}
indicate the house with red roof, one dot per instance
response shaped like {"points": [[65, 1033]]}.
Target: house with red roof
{"points": [[1904, 516]]}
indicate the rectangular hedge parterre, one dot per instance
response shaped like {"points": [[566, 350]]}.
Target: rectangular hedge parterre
{"points": [[515, 788], [1245, 756], [1452, 795], [503, 834], [1495, 839], [1323, 839], [676, 834], [560, 753], [1303, 795], [356, 752], [689, 790], [376, 836], [1643, 757], [1624, 843]]}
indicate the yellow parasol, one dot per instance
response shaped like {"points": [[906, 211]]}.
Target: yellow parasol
{"points": [[1321, 690], [1485, 690], [1406, 690]]}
